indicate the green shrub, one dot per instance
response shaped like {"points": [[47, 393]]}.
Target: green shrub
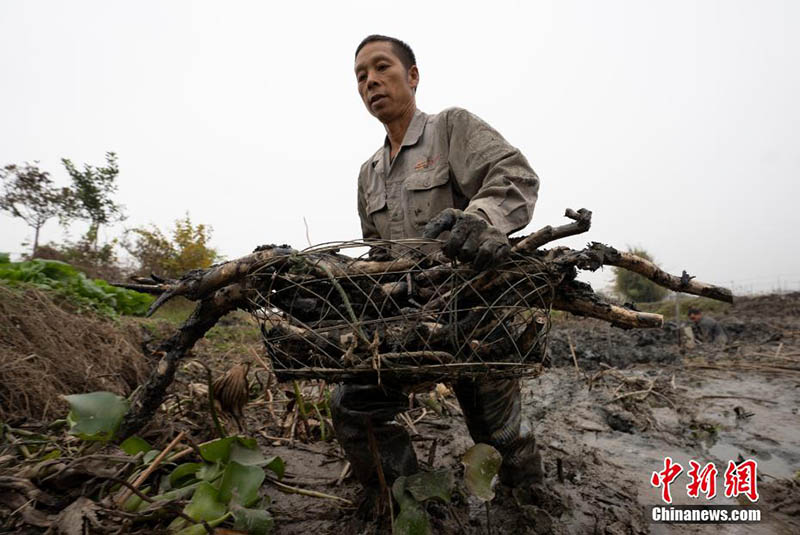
{"points": [[636, 288], [74, 286]]}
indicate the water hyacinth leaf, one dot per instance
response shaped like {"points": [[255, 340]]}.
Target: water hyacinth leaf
{"points": [[245, 455], [97, 415], [276, 465], [184, 473], [205, 504], [252, 521], [200, 529], [177, 524], [249, 443], [177, 494], [481, 465], [210, 472], [134, 502], [134, 445], [399, 492], [412, 520], [240, 483], [217, 450], [427, 485], [148, 457]]}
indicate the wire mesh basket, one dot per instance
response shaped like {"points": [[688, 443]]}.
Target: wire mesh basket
{"points": [[420, 317]]}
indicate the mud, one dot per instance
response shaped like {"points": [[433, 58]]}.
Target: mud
{"points": [[711, 404], [605, 419]]}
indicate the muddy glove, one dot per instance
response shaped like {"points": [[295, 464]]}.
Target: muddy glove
{"points": [[472, 239], [379, 253]]}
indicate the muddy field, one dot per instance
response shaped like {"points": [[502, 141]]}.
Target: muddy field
{"points": [[606, 412], [707, 404]]}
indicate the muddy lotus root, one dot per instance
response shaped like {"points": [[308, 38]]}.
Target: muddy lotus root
{"points": [[325, 314]]}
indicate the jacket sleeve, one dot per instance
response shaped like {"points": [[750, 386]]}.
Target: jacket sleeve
{"points": [[368, 229], [718, 334], [493, 175]]}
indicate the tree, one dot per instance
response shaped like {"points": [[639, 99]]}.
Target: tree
{"points": [[188, 248], [29, 193], [633, 286], [191, 243], [93, 189]]}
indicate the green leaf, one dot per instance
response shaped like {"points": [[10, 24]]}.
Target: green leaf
{"points": [[481, 464], [200, 529], [276, 465], [210, 472], [96, 416], [148, 457], [252, 521], [205, 504], [412, 520], [241, 483], [133, 445], [183, 474], [245, 451], [177, 494], [426, 485], [249, 443], [399, 492], [217, 450], [134, 502], [245, 455], [68, 282]]}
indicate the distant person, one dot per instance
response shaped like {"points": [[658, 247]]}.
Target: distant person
{"points": [[705, 329]]}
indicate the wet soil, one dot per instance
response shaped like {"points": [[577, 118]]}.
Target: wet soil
{"points": [[633, 399], [606, 412]]}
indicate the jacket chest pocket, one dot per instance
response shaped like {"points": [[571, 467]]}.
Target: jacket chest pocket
{"points": [[427, 194], [378, 212]]}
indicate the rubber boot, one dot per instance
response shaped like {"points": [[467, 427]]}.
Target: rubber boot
{"points": [[359, 409], [492, 410]]}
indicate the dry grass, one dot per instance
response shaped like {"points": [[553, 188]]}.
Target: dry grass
{"points": [[47, 351]]}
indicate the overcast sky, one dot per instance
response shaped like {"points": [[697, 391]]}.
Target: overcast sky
{"points": [[677, 123]]}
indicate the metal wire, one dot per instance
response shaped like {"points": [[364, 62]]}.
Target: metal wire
{"points": [[328, 315]]}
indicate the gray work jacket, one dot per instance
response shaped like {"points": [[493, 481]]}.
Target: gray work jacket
{"points": [[451, 159]]}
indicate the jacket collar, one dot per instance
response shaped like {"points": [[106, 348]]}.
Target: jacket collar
{"points": [[414, 130], [413, 133]]}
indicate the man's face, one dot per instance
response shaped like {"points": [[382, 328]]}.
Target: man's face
{"points": [[695, 317], [385, 85]]}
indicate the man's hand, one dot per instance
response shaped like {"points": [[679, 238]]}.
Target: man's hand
{"points": [[379, 253], [472, 239]]}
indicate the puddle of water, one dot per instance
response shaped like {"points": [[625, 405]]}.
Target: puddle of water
{"points": [[768, 464]]}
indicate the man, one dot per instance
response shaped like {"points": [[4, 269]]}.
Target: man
{"points": [[445, 172], [706, 329]]}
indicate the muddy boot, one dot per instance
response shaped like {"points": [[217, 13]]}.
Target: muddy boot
{"points": [[492, 410], [358, 410], [522, 462]]}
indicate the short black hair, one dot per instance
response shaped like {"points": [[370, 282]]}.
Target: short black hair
{"points": [[401, 48], [693, 310]]}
